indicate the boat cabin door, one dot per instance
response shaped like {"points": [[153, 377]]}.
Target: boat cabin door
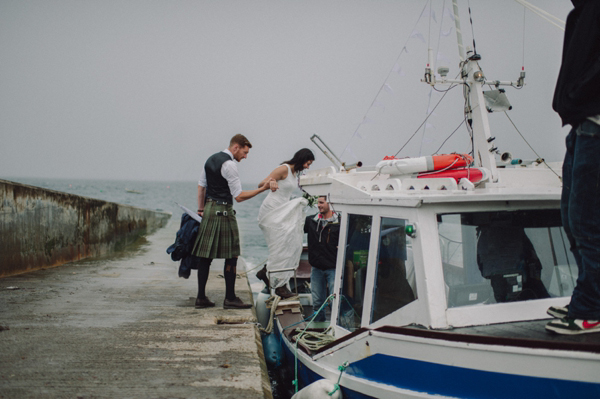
{"points": [[377, 269]]}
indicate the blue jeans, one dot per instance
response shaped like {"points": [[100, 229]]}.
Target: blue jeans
{"points": [[580, 211], [321, 287]]}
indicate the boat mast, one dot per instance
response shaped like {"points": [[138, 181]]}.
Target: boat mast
{"points": [[475, 111]]}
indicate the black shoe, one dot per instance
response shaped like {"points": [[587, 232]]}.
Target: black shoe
{"points": [[235, 304], [204, 303], [284, 292], [262, 275]]}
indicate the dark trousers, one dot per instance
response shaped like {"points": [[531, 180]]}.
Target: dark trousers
{"points": [[580, 211]]}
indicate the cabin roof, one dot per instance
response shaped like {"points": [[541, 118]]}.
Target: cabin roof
{"points": [[366, 186]]}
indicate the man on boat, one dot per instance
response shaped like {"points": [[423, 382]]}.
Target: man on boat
{"points": [[218, 236], [323, 231], [577, 101]]}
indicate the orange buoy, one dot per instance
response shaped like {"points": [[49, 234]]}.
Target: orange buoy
{"points": [[474, 175], [451, 161], [430, 163]]}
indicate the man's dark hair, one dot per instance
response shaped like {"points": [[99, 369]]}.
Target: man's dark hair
{"points": [[241, 140]]}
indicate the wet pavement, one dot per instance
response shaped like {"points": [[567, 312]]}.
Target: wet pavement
{"points": [[125, 327]]}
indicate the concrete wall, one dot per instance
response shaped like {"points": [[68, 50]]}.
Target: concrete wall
{"points": [[43, 228]]}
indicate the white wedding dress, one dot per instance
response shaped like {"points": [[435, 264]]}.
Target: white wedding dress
{"points": [[282, 223]]}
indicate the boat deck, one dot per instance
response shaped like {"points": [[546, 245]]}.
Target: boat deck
{"points": [[528, 333]]}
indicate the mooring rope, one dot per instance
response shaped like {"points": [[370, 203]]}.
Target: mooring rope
{"points": [[295, 381]]}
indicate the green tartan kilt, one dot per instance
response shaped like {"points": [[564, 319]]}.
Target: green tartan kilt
{"points": [[218, 235]]}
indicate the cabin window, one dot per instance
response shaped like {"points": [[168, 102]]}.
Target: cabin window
{"points": [[395, 276], [494, 257], [355, 271]]}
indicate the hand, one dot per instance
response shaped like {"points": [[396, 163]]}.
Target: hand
{"points": [[273, 185], [201, 213]]}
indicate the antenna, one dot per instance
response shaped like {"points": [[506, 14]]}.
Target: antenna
{"points": [[461, 48]]}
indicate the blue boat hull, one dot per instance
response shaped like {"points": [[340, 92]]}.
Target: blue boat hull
{"points": [[439, 380]]}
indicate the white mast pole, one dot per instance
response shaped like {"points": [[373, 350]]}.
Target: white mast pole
{"points": [[477, 115], [483, 142]]}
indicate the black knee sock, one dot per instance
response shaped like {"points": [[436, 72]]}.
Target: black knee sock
{"points": [[229, 271], [203, 270]]}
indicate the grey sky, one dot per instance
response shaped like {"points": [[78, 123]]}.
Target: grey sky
{"points": [[148, 89]]}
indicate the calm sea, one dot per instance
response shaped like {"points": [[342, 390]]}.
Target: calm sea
{"points": [[164, 196]]}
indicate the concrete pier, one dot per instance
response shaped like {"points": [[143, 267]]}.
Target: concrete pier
{"points": [[43, 228], [125, 327]]}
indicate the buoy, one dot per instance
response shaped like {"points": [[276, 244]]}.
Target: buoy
{"points": [[319, 389], [430, 163], [474, 175], [273, 350], [262, 313]]}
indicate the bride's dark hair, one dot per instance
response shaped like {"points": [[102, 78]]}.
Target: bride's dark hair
{"points": [[300, 158]]}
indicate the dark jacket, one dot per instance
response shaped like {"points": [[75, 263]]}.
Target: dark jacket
{"points": [[322, 241], [577, 93], [184, 244]]}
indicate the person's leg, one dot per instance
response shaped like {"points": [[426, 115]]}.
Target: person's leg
{"points": [[203, 271], [584, 221], [318, 291], [229, 272], [231, 300], [567, 177], [330, 275]]}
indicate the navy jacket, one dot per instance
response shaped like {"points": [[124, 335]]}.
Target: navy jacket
{"points": [[184, 244]]}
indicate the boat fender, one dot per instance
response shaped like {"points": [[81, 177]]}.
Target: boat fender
{"points": [[319, 389], [262, 313], [273, 350]]}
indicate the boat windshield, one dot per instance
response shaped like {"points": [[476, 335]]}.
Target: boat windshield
{"points": [[494, 257], [394, 285]]}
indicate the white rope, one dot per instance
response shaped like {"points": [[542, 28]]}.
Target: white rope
{"points": [[384, 83], [314, 340], [274, 301], [559, 23]]}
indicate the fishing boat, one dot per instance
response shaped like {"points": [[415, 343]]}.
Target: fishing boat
{"points": [[447, 266]]}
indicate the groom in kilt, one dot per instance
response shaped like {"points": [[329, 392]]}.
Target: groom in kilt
{"points": [[218, 235]]}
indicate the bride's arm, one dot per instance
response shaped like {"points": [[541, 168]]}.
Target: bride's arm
{"points": [[278, 173]]}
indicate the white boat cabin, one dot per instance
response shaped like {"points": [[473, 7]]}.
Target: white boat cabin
{"points": [[440, 254]]}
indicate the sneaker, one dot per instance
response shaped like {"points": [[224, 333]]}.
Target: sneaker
{"points": [[573, 326], [558, 312], [202, 303], [235, 304]]}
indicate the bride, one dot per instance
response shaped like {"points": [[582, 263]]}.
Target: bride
{"points": [[282, 221]]}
